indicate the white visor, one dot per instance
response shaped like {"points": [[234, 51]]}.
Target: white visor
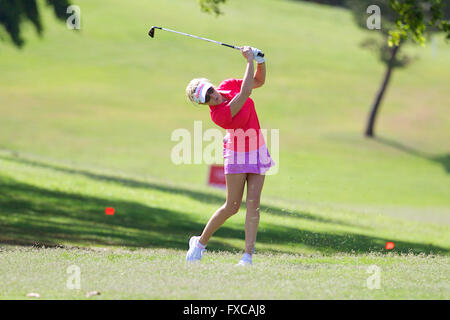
{"points": [[200, 93]]}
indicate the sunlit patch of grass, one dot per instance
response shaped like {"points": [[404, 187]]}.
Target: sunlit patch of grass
{"points": [[163, 274]]}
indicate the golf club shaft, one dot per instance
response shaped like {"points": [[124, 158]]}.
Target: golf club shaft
{"points": [[214, 41]]}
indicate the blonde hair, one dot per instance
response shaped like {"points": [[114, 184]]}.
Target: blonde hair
{"points": [[192, 86]]}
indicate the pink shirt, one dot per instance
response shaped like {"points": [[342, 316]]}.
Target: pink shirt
{"points": [[245, 119]]}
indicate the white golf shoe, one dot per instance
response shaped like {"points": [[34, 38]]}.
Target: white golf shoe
{"points": [[195, 251], [243, 263]]}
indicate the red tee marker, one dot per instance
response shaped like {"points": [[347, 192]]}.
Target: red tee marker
{"points": [[109, 211], [389, 245]]}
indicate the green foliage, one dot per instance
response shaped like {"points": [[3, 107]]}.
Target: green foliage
{"points": [[414, 18], [401, 20], [405, 19], [14, 12], [210, 6], [388, 20]]}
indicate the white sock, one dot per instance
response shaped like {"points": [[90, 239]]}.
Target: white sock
{"points": [[201, 246]]}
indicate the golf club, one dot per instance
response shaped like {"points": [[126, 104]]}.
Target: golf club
{"points": [[151, 33]]}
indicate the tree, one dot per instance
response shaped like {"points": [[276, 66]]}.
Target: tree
{"points": [[402, 20], [13, 13]]}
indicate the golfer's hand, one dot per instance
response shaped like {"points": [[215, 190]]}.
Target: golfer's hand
{"points": [[247, 53], [258, 59]]}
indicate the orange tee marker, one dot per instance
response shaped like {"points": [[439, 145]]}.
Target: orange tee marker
{"points": [[389, 245]]}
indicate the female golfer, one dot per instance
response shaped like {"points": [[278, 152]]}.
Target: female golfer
{"points": [[246, 157]]}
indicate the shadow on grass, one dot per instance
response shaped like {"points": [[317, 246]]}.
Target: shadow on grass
{"points": [[195, 195], [443, 159], [30, 214]]}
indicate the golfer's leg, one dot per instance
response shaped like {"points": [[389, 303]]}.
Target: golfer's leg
{"points": [[235, 190], [255, 184]]}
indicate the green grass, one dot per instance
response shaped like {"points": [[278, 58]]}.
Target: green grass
{"points": [[162, 274], [86, 120], [325, 250], [55, 204], [110, 96]]}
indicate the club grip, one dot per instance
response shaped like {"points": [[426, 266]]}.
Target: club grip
{"points": [[229, 46], [260, 54]]}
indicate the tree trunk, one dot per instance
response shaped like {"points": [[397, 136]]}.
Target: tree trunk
{"points": [[380, 94]]}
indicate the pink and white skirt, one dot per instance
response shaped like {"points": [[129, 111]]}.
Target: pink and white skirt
{"points": [[256, 160]]}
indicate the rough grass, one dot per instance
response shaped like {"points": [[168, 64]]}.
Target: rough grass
{"points": [[162, 274]]}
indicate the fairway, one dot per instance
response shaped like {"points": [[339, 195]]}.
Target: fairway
{"points": [[61, 221], [85, 124]]}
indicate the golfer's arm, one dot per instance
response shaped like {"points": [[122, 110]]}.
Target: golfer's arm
{"points": [[260, 75], [246, 90]]}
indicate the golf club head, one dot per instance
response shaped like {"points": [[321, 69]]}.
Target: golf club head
{"points": [[151, 33]]}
